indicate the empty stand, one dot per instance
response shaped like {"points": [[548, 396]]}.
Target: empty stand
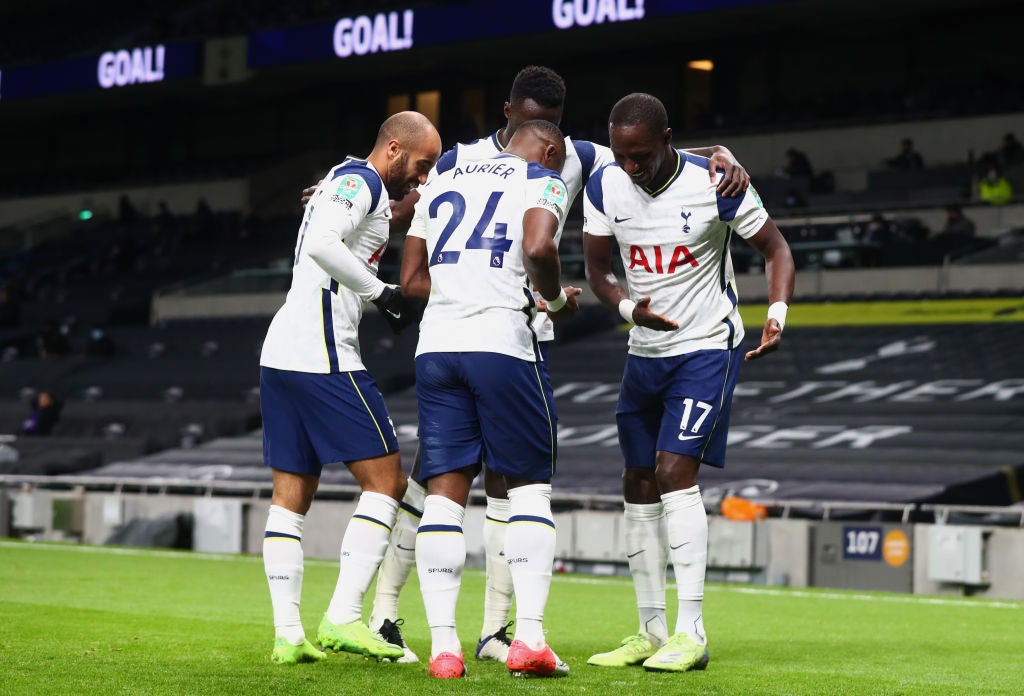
{"points": [[926, 414]]}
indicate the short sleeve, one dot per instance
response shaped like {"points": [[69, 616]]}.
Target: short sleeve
{"points": [[341, 204], [420, 220], [546, 190], [746, 214], [595, 221]]}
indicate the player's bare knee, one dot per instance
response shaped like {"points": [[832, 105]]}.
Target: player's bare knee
{"points": [[640, 486], [293, 492], [495, 485], [676, 472]]}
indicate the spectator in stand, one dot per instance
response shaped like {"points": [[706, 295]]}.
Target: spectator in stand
{"points": [[127, 214], [908, 158], [1011, 152], [957, 224], [994, 188], [204, 219], [878, 230], [797, 164], [875, 235], [45, 414], [165, 220]]}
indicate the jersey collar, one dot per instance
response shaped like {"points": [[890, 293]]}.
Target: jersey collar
{"points": [[675, 175], [351, 159], [496, 142]]}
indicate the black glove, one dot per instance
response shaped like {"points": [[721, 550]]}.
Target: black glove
{"points": [[394, 309]]}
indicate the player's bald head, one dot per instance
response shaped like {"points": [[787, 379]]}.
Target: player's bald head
{"points": [[639, 109], [539, 141], [407, 147], [410, 128]]}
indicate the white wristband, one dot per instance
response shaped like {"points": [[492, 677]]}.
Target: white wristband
{"points": [[777, 311], [626, 308], [557, 303]]}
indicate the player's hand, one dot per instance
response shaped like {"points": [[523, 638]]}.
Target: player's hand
{"points": [[735, 180], [771, 339], [307, 193], [643, 316], [542, 305], [394, 309], [572, 305]]}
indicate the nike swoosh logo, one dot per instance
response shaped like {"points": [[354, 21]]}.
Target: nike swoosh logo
{"points": [[618, 219], [630, 555], [396, 315], [689, 437], [406, 548], [678, 547]]}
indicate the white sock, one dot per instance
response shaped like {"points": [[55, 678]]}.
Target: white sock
{"points": [[362, 548], [499, 592], [687, 525], [400, 557], [530, 553], [440, 558], [282, 561], [647, 553]]}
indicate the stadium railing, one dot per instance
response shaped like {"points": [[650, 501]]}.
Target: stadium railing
{"points": [[256, 490]]}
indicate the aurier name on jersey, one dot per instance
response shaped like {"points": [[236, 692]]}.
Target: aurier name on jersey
{"points": [[674, 244], [471, 217], [317, 328], [582, 159]]}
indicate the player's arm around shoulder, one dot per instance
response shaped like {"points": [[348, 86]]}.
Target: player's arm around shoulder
{"points": [[722, 163], [781, 273]]}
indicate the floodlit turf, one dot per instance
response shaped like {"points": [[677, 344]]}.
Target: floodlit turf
{"points": [[912, 312], [86, 620]]}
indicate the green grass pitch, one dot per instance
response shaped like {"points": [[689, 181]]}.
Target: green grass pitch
{"points": [[88, 620]]}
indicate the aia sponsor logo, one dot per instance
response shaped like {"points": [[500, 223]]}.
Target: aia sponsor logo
{"points": [[641, 259]]}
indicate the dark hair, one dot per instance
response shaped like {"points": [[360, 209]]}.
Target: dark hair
{"points": [[640, 109], [545, 129], [542, 85]]}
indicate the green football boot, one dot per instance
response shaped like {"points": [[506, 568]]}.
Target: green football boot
{"points": [[680, 654], [287, 654], [633, 651], [355, 637]]}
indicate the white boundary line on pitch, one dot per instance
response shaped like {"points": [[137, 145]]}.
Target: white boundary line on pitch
{"points": [[912, 599], [568, 579], [814, 594]]}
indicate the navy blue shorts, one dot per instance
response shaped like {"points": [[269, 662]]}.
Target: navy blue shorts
{"points": [[679, 404], [485, 407], [314, 419], [545, 375]]}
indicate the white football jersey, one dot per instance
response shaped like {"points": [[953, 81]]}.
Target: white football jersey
{"points": [[471, 217], [674, 244], [317, 328], [582, 158]]}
